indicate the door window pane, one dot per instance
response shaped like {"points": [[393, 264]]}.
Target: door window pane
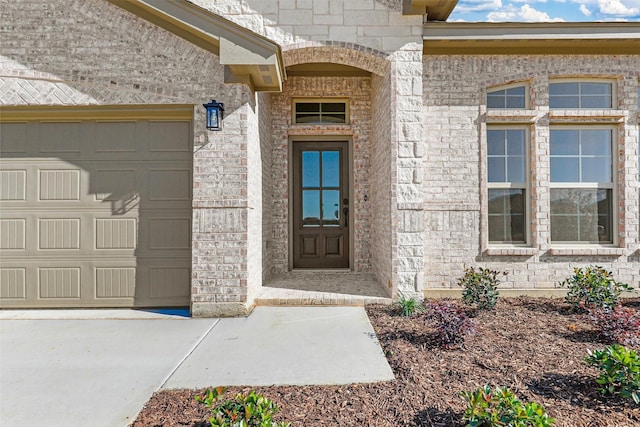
{"points": [[331, 208], [331, 169], [311, 169], [311, 208]]}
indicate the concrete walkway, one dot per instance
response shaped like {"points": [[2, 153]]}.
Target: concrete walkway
{"points": [[99, 368]]}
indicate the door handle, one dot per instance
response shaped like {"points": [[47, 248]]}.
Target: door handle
{"points": [[345, 212]]}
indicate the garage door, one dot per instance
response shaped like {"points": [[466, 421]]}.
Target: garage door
{"points": [[95, 212]]}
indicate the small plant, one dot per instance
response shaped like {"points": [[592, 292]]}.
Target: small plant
{"points": [[480, 287], [409, 306], [501, 407], [451, 323], [244, 410], [619, 371], [619, 324], [593, 287]]}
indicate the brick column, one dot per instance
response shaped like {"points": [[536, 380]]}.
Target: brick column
{"points": [[221, 214]]}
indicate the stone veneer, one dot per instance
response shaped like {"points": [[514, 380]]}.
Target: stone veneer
{"points": [[455, 116]]}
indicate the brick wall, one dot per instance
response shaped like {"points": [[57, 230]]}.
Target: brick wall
{"points": [[383, 194], [454, 183]]}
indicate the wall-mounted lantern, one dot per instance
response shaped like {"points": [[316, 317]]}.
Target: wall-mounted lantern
{"points": [[215, 114]]}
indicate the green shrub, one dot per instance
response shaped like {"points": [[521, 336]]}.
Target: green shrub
{"points": [[409, 306], [244, 410], [619, 324], [501, 407], [619, 371], [593, 287], [451, 323], [480, 287]]}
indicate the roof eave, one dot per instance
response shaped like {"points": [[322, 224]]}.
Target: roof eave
{"points": [[578, 38], [246, 56]]}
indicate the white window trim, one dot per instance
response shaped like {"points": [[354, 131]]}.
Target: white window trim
{"points": [[507, 185], [611, 81], [527, 97], [613, 186]]}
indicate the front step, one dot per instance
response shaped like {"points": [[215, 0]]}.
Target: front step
{"points": [[328, 288]]}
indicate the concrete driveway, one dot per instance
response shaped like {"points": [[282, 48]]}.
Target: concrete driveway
{"points": [[70, 368]]}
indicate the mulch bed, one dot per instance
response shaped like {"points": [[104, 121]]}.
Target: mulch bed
{"points": [[534, 346]]}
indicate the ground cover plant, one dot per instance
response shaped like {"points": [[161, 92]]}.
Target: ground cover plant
{"points": [[534, 347]]}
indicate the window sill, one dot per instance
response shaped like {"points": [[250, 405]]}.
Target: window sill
{"points": [[511, 251], [585, 251], [510, 116], [570, 116]]}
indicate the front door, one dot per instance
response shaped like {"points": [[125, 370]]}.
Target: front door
{"points": [[320, 205]]}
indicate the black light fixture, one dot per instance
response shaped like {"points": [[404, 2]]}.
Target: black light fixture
{"points": [[215, 114]]}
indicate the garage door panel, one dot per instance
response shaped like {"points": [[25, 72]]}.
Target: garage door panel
{"points": [[166, 137], [117, 137], [60, 138], [116, 233], [115, 282], [95, 214], [13, 184], [59, 283], [13, 283], [163, 281]]}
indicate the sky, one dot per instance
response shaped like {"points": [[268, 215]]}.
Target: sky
{"points": [[545, 10]]}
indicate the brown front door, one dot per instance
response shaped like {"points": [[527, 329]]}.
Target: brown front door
{"points": [[320, 205]]}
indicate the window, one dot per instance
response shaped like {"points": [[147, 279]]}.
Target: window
{"points": [[513, 97], [580, 95], [581, 185], [321, 112], [507, 185]]}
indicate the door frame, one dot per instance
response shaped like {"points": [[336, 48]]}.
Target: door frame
{"points": [[290, 190]]}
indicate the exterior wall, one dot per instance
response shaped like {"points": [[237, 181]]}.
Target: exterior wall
{"points": [[455, 173], [378, 24], [384, 244], [266, 127], [358, 90], [91, 52]]}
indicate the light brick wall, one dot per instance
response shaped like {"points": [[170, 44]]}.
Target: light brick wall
{"points": [[266, 128], [358, 90], [372, 23], [454, 180], [384, 244]]}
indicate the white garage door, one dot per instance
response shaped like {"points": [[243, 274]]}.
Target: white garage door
{"points": [[95, 213]]}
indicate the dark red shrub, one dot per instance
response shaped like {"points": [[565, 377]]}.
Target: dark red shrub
{"points": [[450, 322], [618, 324]]}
